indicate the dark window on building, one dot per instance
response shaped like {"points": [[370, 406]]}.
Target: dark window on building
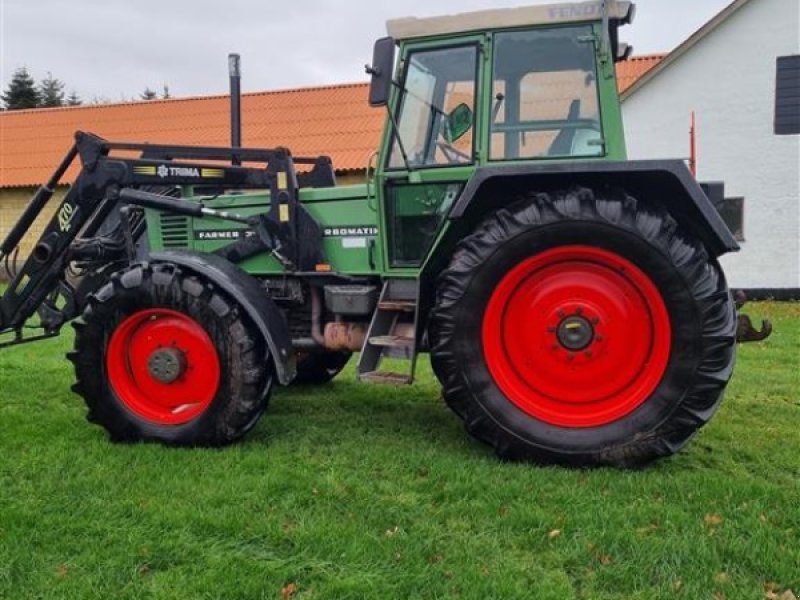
{"points": [[732, 212], [787, 95]]}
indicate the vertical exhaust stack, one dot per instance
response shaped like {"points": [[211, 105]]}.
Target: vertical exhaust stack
{"points": [[235, 72]]}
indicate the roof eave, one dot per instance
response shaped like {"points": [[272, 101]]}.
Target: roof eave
{"points": [[684, 47]]}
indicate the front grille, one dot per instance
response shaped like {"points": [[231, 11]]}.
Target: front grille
{"points": [[174, 231]]}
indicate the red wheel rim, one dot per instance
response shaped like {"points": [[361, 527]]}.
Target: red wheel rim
{"points": [[163, 366], [576, 336]]}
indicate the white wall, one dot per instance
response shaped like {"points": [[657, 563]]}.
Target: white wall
{"points": [[728, 79]]}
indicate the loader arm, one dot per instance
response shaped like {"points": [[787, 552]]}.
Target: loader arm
{"points": [[108, 183]]}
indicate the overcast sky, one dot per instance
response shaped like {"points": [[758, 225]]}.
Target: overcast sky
{"points": [[113, 49]]}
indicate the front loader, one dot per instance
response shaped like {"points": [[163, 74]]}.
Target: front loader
{"points": [[571, 300]]}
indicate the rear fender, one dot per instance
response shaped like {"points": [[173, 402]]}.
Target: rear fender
{"points": [[667, 182], [253, 299]]}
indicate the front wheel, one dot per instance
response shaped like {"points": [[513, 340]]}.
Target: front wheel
{"points": [[606, 336], [166, 356]]}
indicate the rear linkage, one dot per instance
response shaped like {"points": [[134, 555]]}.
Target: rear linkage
{"points": [[99, 220]]}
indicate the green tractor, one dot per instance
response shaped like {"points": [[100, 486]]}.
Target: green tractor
{"points": [[571, 300]]}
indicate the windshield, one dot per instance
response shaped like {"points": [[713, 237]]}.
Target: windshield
{"points": [[438, 98]]}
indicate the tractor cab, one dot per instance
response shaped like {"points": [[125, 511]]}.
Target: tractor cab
{"points": [[502, 85], [492, 88]]}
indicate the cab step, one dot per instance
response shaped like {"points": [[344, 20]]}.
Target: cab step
{"points": [[398, 305], [387, 377], [391, 333], [392, 341]]}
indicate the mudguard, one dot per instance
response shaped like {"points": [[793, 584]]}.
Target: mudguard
{"points": [[252, 298], [668, 182]]}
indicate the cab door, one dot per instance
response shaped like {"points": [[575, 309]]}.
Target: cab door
{"points": [[433, 146]]}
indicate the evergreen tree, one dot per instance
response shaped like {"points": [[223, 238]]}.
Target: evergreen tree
{"points": [[73, 99], [148, 94], [165, 94], [21, 92], [51, 92]]}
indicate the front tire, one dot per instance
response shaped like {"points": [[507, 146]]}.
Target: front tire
{"points": [[165, 356], [606, 334]]}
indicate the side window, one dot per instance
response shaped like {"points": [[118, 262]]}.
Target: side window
{"points": [[787, 95], [435, 122], [545, 95]]}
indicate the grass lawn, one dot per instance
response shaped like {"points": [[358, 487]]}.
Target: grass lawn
{"points": [[356, 491]]}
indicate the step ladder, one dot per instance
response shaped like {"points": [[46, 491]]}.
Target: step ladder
{"points": [[391, 334]]}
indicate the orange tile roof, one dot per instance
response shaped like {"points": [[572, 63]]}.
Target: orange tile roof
{"points": [[629, 71], [333, 120]]}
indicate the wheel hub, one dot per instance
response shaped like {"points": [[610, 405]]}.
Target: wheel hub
{"points": [[167, 365], [575, 333]]}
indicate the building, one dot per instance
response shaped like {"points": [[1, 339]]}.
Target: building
{"points": [[740, 75]]}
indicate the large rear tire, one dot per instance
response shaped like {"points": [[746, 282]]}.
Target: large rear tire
{"points": [[165, 356], [606, 337]]}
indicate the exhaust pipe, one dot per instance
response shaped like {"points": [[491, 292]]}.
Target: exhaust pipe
{"points": [[235, 72]]}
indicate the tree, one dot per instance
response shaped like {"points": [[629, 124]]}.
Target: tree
{"points": [[73, 99], [21, 92], [165, 93], [148, 94], [51, 92]]}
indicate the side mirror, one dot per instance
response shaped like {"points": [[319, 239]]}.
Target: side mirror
{"points": [[457, 123], [382, 70]]}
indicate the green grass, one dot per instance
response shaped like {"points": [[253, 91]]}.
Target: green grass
{"points": [[355, 491]]}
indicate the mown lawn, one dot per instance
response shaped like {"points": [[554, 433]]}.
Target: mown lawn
{"points": [[352, 491]]}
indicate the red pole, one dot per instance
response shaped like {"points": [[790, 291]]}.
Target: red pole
{"points": [[693, 147]]}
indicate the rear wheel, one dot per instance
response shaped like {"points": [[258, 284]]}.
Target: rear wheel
{"points": [[606, 336], [164, 356], [318, 368]]}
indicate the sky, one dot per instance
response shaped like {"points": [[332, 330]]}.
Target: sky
{"points": [[111, 50]]}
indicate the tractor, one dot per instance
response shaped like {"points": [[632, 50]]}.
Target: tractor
{"points": [[571, 300]]}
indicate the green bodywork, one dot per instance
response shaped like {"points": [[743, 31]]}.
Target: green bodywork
{"points": [[392, 225]]}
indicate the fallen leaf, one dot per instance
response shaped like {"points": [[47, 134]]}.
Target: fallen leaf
{"points": [[554, 534], [677, 585], [485, 570], [62, 570], [449, 574], [605, 559], [719, 596], [503, 510], [713, 520], [289, 590], [435, 559], [722, 577], [390, 533], [144, 569], [787, 595], [763, 518]]}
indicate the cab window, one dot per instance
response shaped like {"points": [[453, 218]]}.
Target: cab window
{"points": [[546, 101], [437, 110]]}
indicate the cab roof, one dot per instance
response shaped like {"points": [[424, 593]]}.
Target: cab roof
{"points": [[504, 18]]}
